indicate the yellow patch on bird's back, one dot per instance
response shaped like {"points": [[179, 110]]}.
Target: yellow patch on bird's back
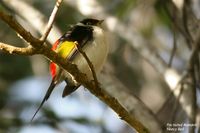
{"points": [[64, 49]]}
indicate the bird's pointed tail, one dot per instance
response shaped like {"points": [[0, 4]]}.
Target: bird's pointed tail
{"points": [[47, 95]]}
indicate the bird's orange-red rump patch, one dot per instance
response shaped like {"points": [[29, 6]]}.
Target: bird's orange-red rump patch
{"points": [[55, 45], [53, 65], [53, 69]]}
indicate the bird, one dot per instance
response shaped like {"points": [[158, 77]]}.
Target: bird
{"points": [[89, 35]]}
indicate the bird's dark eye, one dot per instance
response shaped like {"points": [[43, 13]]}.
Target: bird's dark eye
{"points": [[88, 23]]}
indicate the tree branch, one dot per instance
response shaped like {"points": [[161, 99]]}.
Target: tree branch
{"points": [[17, 50]]}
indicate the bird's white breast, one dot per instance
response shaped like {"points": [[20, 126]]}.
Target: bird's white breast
{"points": [[96, 51]]}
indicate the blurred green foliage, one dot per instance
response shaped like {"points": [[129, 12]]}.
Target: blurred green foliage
{"points": [[14, 67], [161, 10]]}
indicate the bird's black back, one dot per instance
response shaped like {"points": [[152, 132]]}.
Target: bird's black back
{"points": [[79, 33]]}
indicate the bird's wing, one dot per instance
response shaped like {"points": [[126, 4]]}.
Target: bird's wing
{"points": [[78, 33]]}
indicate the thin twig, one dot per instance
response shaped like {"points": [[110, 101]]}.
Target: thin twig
{"points": [[191, 68], [178, 86], [185, 20], [174, 47], [193, 107], [175, 107], [198, 70], [51, 20], [174, 19], [17, 50]]}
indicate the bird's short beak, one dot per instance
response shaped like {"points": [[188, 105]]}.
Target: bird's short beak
{"points": [[100, 22]]}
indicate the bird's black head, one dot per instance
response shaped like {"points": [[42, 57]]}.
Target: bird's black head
{"points": [[92, 22]]}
